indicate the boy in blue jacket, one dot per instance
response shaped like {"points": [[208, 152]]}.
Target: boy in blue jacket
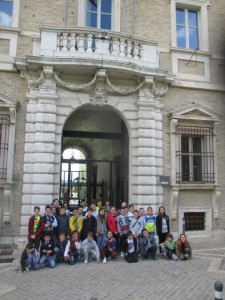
{"points": [[109, 247]]}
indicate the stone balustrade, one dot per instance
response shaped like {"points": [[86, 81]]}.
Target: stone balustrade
{"points": [[88, 43]]}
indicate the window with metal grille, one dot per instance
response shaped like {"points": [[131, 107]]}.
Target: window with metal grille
{"points": [[4, 131], [195, 155], [194, 221]]}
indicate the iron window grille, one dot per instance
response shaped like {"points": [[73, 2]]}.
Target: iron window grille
{"points": [[4, 131], [195, 155], [194, 221]]}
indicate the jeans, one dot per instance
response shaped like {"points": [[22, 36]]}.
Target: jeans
{"points": [[100, 240], [50, 260], [168, 253], [30, 262], [90, 254], [59, 255], [145, 252], [73, 257]]}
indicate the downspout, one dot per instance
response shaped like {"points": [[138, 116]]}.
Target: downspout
{"points": [[76, 13], [66, 13], [124, 16]]}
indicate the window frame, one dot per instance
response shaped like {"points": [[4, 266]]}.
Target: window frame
{"points": [[99, 14], [15, 15], [200, 6], [115, 17]]}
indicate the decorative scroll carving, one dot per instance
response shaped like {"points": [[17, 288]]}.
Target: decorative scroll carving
{"points": [[159, 89]]}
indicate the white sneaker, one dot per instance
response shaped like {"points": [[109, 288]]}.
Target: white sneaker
{"points": [[121, 254], [86, 261], [27, 269], [104, 260]]}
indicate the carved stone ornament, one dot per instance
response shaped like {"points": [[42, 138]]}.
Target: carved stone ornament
{"points": [[159, 89], [98, 96]]}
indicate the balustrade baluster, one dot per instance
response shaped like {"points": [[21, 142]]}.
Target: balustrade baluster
{"points": [[73, 41], [58, 41], [81, 42], [115, 46], [122, 47], [136, 50], [129, 48], [89, 42], [65, 41]]}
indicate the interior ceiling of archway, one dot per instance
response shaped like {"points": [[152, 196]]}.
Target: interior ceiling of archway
{"points": [[94, 121]]}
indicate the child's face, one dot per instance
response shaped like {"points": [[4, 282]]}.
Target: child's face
{"points": [[107, 203], [149, 211], [47, 239], [62, 238], [131, 209], [62, 211], [141, 212], [130, 237], [48, 211], [75, 213], [162, 210], [183, 238], [36, 212], [145, 234], [90, 238], [136, 214], [99, 203], [56, 203], [80, 210], [109, 235], [169, 239], [126, 210], [89, 213], [102, 212], [122, 211], [75, 236]]}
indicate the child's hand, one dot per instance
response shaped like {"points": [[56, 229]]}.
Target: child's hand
{"points": [[33, 236]]}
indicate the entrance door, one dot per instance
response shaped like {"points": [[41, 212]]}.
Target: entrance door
{"points": [[102, 172]]}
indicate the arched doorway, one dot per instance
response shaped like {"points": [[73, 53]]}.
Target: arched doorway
{"points": [[94, 157]]}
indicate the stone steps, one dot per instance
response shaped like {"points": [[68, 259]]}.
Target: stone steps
{"points": [[7, 253]]}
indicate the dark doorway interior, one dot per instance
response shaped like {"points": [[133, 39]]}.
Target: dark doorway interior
{"points": [[102, 171]]}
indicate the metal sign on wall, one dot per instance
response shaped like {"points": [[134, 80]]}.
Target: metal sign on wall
{"points": [[164, 180]]}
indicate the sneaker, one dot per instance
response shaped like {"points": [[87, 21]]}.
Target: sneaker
{"points": [[27, 269], [86, 261], [104, 260], [121, 254]]}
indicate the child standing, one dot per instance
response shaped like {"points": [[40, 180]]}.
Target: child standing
{"points": [[101, 227], [49, 223], [123, 227], [89, 225], [150, 222], [47, 252], [90, 248], [183, 248], [168, 247], [63, 222], [29, 258], [162, 226], [109, 247], [75, 222], [35, 228], [130, 248]]}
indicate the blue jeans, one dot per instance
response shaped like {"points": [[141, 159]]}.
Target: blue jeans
{"points": [[50, 260], [30, 262], [100, 240]]}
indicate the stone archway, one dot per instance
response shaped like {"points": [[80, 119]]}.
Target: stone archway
{"points": [[103, 135]]}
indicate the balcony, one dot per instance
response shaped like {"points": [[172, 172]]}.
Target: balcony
{"points": [[93, 47]]}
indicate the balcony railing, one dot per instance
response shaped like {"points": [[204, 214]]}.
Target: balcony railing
{"points": [[88, 43]]}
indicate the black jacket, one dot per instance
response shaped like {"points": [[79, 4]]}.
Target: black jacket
{"points": [[159, 224], [89, 224], [125, 246]]}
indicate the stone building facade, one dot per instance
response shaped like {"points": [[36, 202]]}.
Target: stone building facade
{"points": [[137, 84]]}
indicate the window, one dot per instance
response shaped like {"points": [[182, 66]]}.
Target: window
{"points": [[6, 12], [195, 156], [99, 14], [4, 131], [187, 28], [194, 221]]}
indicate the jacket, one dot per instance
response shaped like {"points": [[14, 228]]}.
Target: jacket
{"points": [[63, 224], [109, 243], [159, 224], [123, 223], [24, 256], [101, 226], [125, 245], [51, 220], [48, 246], [136, 225], [31, 228], [72, 224], [92, 245], [112, 224], [89, 224], [179, 247]]}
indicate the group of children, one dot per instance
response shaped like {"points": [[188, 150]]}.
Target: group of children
{"points": [[99, 232]]}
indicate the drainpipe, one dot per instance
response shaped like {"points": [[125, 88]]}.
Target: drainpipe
{"points": [[124, 16], [76, 13], [134, 17]]}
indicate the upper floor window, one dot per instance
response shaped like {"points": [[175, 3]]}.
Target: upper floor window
{"points": [[99, 14], [4, 131], [6, 12], [187, 28]]}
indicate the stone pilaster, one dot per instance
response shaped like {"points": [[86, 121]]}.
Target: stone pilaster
{"points": [[38, 183]]}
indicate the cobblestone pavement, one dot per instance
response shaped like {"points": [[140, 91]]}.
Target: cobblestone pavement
{"points": [[160, 279]]}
